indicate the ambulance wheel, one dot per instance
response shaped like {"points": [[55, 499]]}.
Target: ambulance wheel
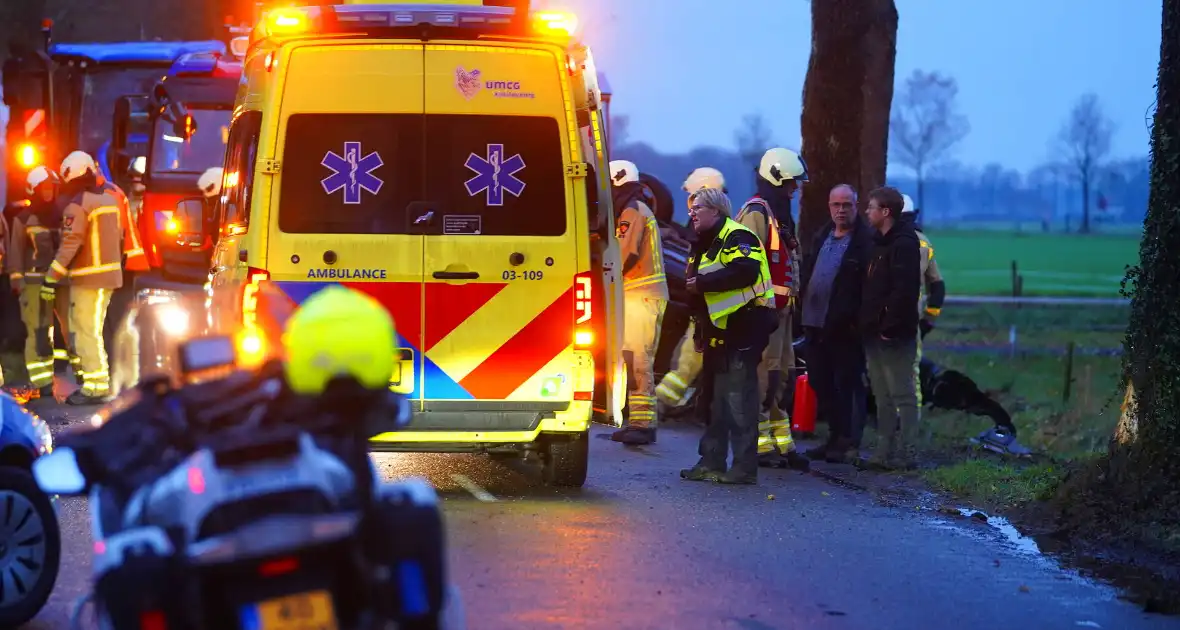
{"points": [[30, 547], [567, 459]]}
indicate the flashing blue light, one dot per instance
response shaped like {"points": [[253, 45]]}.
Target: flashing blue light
{"points": [[194, 63], [135, 52]]}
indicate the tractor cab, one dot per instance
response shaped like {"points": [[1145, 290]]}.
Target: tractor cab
{"points": [[64, 98], [188, 123]]}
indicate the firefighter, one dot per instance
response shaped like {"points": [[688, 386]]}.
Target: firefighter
{"points": [[645, 295], [728, 270], [91, 257], [933, 287], [33, 244], [135, 174], [673, 388], [210, 184], [768, 215]]}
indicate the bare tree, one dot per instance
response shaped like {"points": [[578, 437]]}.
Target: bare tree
{"points": [[846, 99], [925, 124], [1085, 140], [752, 138], [619, 133]]}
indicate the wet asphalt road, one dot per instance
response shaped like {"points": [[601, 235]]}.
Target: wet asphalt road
{"points": [[638, 548]]}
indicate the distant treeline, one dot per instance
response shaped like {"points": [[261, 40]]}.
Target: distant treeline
{"points": [[954, 193]]}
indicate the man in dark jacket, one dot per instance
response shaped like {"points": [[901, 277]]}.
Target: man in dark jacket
{"points": [[889, 326], [831, 281]]}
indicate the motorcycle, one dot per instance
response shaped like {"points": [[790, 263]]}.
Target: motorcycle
{"points": [[221, 499]]}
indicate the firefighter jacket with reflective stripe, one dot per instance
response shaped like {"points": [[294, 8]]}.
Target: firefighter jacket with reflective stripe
{"points": [[783, 261], [642, 251], [91, 254], [727, 248], [31, 249], [134, 258], [933, 291]]}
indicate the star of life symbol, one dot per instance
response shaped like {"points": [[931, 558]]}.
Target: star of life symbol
{"points": [[352, 173], [495, 174]]}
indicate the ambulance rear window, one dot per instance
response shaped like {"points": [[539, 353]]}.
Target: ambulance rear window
{"points": [[496, 175], [379, 173], [350, 173]]}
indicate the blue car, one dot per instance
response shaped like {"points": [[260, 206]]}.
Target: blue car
{"points": [[30, 539]]}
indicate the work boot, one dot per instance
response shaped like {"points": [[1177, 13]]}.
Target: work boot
{"points": [[634, 436], [771, 459], [700, 473], [735, 477], [795, 461], [818, 452], [837, 452], [79, 399]]}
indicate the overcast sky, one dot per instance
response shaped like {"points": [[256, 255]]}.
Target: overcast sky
{"points": [[686, 71]]}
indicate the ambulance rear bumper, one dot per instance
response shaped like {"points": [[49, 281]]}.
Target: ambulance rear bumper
{"points": [[463, 426]]}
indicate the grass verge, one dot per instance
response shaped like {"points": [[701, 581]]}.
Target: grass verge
{"points": [[998, 485]]}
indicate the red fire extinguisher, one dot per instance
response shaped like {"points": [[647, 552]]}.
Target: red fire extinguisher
{"points": [[803, 415]]}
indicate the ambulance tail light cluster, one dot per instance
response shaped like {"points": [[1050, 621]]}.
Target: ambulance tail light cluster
{"points": [[251, 340], [583, 311]]}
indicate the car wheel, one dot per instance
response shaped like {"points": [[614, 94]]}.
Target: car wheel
{"points": [[567, 460], [30, 547]]}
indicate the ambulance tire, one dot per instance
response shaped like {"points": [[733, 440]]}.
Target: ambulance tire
{"points": [[566, 460]]}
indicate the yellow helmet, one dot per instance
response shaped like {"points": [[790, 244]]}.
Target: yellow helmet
{"points": [[339, 332]]}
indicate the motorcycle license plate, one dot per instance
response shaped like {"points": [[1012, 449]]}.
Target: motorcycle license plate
{"points": [[305, 611]]}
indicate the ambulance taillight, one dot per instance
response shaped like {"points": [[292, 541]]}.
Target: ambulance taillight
{"points": [[583, 311]]}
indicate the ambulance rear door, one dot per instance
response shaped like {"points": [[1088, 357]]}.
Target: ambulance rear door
{"points": [[349, 183], [500, 255]]}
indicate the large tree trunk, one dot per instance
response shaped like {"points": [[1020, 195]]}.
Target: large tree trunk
{"points": [[846, 101], [1143, 475]]}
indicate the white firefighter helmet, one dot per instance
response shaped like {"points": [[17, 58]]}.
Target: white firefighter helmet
{"points": [[704, 177], [210, 182], [779, 165], [623, 172], [907, 204], [38, 176], [138, 166], [77, 164]]}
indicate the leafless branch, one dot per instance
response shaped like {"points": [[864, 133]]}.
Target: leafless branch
{"points": [[752, 138], [925, 124], [1085, 137]]}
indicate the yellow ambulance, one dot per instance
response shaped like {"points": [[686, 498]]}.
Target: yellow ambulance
{"points": [[448, 159]]}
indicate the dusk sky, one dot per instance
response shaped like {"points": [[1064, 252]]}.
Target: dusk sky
{"points": [[686, 71]]}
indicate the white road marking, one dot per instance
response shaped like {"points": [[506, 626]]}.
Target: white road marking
{"points": [[474, 488]]}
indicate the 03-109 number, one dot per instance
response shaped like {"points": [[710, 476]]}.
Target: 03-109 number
{"points": [[512, 274]]}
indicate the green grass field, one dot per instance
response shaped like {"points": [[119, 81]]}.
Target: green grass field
{"points": [[979, 262]]}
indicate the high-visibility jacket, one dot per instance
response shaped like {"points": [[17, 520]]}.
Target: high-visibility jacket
{"points": [[781, 258], [31, 249], [927, 306], [134, 258], [642, 251], [90, 254], [722, 304]]}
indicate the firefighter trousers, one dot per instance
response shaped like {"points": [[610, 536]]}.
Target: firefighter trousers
{"points": [[774, 426], [39, 319], [643, 317], [673, 387], [88, 312]]}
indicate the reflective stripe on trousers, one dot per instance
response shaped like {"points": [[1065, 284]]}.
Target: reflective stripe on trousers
{"points": [[643, 317], [88, 312], [40, 367], [775, 435], [675, 384]]}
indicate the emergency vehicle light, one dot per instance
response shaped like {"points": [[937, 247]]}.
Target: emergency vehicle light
{"points": [[26, 155], [347, 18]]}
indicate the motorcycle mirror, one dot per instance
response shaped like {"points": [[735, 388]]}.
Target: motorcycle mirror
{"points": [[58, 472]]}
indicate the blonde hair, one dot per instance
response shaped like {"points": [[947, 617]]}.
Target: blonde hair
{"points": [[712, 198]]}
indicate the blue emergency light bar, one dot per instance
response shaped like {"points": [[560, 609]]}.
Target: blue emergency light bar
{"points": [[134, 52]]}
